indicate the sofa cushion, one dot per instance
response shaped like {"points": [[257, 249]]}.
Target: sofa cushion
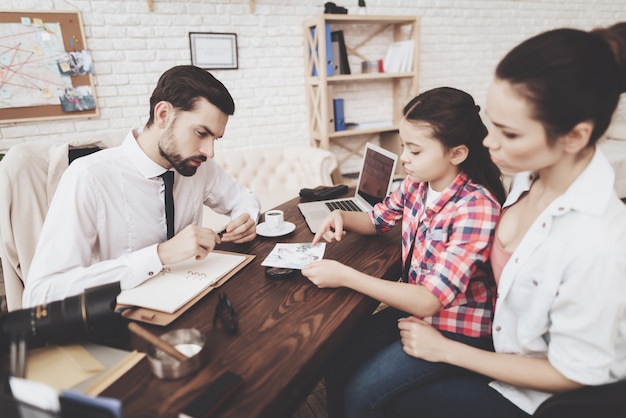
{"points": [[276, 174], [615, 152], [617, 130]]}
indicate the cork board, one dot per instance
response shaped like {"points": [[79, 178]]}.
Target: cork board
{"points": [[32, 46]]}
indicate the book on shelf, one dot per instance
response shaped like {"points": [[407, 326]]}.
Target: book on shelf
{"points": [[177, 284], [340, 54], [399, 57], [331, 110], [369, 125], [340, 121], [328, 60], [336, 56]]}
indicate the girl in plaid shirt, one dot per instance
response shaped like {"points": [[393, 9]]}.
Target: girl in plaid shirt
{"points": [[448, 206]]}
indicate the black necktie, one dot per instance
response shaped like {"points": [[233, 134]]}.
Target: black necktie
{"points": [[168, 180]]}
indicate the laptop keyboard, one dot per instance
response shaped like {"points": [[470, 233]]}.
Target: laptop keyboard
{"points": [[347, 205]]}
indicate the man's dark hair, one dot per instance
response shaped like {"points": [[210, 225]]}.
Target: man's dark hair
{"points": [[183, 85]]}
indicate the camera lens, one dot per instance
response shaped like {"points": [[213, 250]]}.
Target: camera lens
{"points": [[90, 315]]}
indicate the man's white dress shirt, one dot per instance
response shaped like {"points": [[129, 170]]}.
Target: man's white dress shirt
{"points": [[108, 216]]}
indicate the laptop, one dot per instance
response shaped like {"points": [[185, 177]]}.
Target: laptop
{"points": [[375, 180]]}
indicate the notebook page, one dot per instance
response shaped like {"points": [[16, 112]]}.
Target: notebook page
{"points": [[179, 283]]}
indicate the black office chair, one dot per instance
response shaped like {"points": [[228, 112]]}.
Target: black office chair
{"points": [[604, 401], [74, 153]]}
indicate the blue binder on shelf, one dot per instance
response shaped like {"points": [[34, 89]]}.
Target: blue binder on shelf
{"points": [[340, 121], [329, 52]]}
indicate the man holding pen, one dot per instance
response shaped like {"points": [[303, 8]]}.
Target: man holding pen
{"points": [[108, 222]]}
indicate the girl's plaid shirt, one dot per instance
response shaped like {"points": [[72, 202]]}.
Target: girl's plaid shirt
{"points": [[451, 253]]}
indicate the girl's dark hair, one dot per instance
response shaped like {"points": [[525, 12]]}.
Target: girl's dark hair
{"points": [[454, 119], [569, 76], [183, 85]]}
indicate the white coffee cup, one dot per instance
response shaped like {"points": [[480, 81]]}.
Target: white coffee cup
{"points": [[274, 219]]}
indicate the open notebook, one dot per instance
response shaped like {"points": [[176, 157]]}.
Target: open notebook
{"points": [[178, 284]]}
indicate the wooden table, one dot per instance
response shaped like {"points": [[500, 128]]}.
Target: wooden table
{"points": [[287, 329]]}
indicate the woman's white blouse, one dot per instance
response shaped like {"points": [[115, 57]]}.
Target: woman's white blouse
{"points": [[562, 294]]}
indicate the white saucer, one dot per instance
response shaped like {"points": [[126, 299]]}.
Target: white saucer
{"points": [[263, 230]]}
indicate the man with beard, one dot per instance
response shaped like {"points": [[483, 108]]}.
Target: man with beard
{"points": [[107, 220]]}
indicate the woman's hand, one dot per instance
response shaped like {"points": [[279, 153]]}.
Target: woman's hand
{"points": [[419, 339]]}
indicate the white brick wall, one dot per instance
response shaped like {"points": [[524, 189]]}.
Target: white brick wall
{"points": [[461, 42]]}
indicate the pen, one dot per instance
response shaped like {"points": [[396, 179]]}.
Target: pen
{"points": [[222, 232]]}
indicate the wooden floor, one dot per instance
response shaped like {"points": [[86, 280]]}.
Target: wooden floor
{"points": [[315, 404]]}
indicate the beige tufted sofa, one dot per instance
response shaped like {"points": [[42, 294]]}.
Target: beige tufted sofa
{"points": [[276, 173]]}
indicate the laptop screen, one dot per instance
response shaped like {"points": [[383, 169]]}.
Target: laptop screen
{"points": [[376, 176]]}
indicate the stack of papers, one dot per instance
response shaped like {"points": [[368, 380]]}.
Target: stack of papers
{"points": [[399, 58], [294, 256], [88, 368]]}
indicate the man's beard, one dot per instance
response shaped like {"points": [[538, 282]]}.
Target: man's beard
{"points": [[167, 149]]}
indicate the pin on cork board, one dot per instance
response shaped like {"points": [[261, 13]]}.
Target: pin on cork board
{"points": [[45, 67]]}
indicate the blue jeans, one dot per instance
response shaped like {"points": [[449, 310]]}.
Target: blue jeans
{"points": [[467, 396], [372, 368]]}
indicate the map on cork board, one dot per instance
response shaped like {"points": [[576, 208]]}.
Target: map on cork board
{"points": [[45, 67]]}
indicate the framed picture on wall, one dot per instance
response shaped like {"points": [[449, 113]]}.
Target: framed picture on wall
{"points": [[211, 51]]}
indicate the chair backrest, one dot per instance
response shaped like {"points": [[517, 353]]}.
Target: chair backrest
{"points": [[277, 173], [29, 174]]}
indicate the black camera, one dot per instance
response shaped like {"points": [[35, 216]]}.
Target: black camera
{"points": [[332, 8], [88, 316]]}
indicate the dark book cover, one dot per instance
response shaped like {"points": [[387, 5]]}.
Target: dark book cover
{"points": [[339, 44]]}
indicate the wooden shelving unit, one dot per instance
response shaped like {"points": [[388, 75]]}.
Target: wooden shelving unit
{"points": [[319, 87]]}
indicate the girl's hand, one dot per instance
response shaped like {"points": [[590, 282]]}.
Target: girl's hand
{"points": [[331, 228], [419, 339], [326, 273]]}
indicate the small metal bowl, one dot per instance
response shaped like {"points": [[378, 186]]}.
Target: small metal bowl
{"points": [[188, 341]]}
